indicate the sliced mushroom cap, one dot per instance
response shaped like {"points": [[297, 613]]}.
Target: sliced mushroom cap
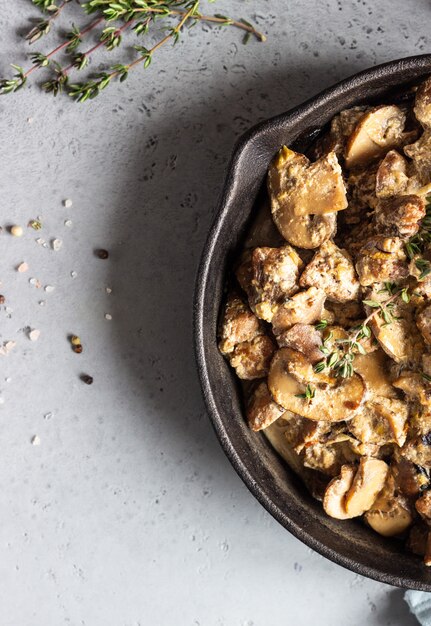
{"points": [[262, 410], [390, 514], [335, 494], [381, 421], [414, 386], [276, 435], [368, 482], [330, 404], [295, 200], [305, 338], [391, 177], [297, 364], [377, 131], [374, 369], [304, 307]]}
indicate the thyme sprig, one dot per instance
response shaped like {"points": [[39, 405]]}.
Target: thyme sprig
{"points": [[137, 14], [340, 358], [309, 393]]}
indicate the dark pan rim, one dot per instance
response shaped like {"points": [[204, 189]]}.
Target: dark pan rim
{"points": [[234, 168]]}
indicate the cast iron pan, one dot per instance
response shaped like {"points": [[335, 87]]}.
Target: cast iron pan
{"points": [[347, 543]]}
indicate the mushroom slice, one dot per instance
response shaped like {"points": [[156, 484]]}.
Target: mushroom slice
{"points": [[304, 338], [276, 435], [422, 108], [262, 410], [239, 324], [332, 270], [390, 514], [269, 276], [323, 402], [310, 188], [381, 421], [301, 368], [303, 210], [335, 494], [399, 216], [378, 131], [391, 177], [251, 359], [396, 414], [374, 369], [414, 386], [304, 307], [368, 482]]}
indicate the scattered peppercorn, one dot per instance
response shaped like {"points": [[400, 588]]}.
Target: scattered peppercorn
{"points": [[16, 230], [88, 380], [77, 348], [75, 340], [2, 299], [102, 254]]}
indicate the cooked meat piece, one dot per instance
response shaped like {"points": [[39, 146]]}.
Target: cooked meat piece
{"points": [[305, 197], [328, 458], [302, 432], [382, 259], [304, 307], [269, 276], [304, 338], [426, 364], [391, 178], [399, 216], [361, 186], [417, 452], [346, 314], [409, 478], [423, 322], [379, 130], [251, 359], [380, 421], [415, 386], [262, 410], [422, 108], [332, 270], [423, 507], [239, 324], [420, 153]]}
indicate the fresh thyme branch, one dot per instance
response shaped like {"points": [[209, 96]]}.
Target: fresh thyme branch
{"points": [[109, 20]]}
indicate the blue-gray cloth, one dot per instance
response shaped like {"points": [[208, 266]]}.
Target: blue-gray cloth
{"points": [[420, 605]]}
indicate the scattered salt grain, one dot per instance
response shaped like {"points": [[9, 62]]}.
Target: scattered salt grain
{"points": [[30, 120], [35, 440], [41, 302], [35, 283], [34, 334], [49, 288], [73, 274], [108, 290], [22, 267], [67, 203], [40, 241], [47, 416], [1, 400], [108, 316], [7, 347], [8, 379], [56, 244], [68, 223]]}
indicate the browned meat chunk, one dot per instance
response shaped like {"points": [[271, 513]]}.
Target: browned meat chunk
{"points": [[420, 153], [332, 270], [262, 410], [239, 324], [422, 106], [268, 277], [399, 216], [391, 179], [382, 259], [251, 359]]}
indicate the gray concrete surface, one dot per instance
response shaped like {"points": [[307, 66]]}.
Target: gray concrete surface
{"points": [[128, 513]]}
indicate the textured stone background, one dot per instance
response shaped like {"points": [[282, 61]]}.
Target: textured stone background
{"points": [[128, 513]]}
